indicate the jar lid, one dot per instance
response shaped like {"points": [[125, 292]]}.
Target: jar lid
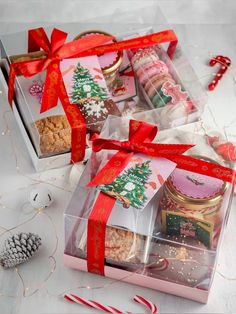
{"points": [[110, 61], [194, 189]]}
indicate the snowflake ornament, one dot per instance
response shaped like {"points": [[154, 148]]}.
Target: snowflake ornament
{"points": [[95, 108]]}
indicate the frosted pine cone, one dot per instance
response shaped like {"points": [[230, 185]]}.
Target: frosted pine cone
{"points": [[19, 248]]}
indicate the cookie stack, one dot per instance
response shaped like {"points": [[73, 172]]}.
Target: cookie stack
{"points": [[153, 74]]}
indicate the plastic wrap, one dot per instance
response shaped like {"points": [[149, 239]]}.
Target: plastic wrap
{"points": [[160, 240], [86, 86]]}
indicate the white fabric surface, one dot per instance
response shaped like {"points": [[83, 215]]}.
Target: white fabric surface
{"points": [[199, 41]]}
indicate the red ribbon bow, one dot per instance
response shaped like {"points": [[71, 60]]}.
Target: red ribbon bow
{"points": [[54, 87], [55, 51], [141, 135]]}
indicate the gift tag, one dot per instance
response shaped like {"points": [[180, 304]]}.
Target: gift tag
{"points": [[86, 87], [139, 181], [83, 79]]}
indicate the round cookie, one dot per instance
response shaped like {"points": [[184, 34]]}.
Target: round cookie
{"points": [[143, 56], [54, 134], [151, 69], [143, 61], [151, 82], [155, 84], [160, 99], [185, 261]]}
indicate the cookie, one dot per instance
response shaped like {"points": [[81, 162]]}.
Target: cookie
{"points": [[160, 99], [95, 112], [156, 84], [55, 134], [122, 245], [150, 69], [143, 56], [183, 261], [155, 78]]}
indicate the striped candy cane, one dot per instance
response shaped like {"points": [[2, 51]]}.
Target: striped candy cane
{"points": [[110, 309], [151, 306]]}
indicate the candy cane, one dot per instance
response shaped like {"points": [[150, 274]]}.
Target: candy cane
{"points": [[225, 63], [152, 307], [110, 309]]}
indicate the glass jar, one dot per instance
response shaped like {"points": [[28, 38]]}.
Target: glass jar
{"points": [[191, 206], [109, 62]]}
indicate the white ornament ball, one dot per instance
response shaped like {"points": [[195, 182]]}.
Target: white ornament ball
{"points": [[87, 88], [129, 186], [40, 197]]}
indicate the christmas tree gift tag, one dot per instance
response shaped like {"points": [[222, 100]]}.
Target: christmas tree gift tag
{"points": [[83, 79], [86, 87], [139, 181]]}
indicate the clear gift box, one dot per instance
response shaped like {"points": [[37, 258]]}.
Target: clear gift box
{"points": [[170, 244], [49, 132]]}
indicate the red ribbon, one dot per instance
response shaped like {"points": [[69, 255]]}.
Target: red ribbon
{"points": [[57, 50], [54, 87], [141, 135]]}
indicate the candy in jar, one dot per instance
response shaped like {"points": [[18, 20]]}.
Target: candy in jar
{"points": [[191, 206]]}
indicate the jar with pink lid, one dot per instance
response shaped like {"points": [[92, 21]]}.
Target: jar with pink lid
{"points": [[109, 62], [191, 206]]}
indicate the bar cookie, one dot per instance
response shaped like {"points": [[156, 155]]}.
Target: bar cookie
{"points": [[122, 245]]}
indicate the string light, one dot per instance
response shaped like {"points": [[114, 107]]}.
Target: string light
{"points": [[33, 181]]}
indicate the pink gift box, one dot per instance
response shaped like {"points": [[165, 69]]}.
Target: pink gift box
{"points": [[137, 250]]}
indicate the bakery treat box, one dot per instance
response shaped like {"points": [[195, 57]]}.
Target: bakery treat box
{"points": [[166, 224], [102, 86]]}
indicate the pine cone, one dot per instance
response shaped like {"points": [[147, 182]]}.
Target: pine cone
{"points": [[19, 248]]}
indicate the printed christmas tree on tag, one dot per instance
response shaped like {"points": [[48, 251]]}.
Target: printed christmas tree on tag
{"points": [[85, 86], [139, 181], [83, 79]]}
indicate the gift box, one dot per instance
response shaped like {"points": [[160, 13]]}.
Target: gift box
{"points": [[99, 78], [150, 208]]}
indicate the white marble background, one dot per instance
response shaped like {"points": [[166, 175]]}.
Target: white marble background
{"points": [[204, 27], [47, 11]]}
